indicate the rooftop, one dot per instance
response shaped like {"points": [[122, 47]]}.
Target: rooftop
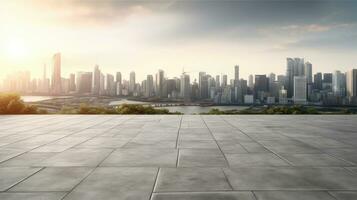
{"points": [[176, 157]]}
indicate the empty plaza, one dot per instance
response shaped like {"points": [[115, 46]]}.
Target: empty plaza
{"points": [[178, 157]]}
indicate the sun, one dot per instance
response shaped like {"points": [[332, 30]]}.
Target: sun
{"points": [[16, 48]]}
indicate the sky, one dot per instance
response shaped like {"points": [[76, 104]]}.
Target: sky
{"points": [[177, 35]]}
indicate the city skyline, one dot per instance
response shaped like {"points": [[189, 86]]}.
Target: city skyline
{"points": [[299, 85], [206, 36]]}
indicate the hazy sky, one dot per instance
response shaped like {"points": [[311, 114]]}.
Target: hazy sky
{"points": [[197, 35]]}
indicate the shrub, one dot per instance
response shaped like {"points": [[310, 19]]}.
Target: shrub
{"points": [[12, 104]]}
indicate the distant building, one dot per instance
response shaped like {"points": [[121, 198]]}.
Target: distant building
{"points": [[351, 84], [110, 86], [236, 75], [72, 82], [339, 83], [300, 96], [185, 87], [160, 84], [132, 82], [283, 96], [56, 75], [96, 81], [84, 82], [224, 80], [203, 85], [248, 99], [149, 90], [250, 82]]}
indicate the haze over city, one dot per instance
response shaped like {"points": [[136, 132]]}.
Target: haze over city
{"points": [[209, 36]]}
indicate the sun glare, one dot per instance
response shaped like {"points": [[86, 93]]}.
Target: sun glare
{"points": [[16, 49]]}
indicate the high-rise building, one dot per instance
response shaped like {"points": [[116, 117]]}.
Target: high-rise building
{"points": [[111, 90], [218, 82], [261, 86], [132, 82], [56, 75], [318, 81], [250, 81], [295, 67], [327, 82], [351, 83], [118, 77], [72, 82], [300, 90], [149, 90], [224, 80], [203, 85], [160, 84], [308, 72], [339, 83], [236, 75], [185, 87], [84, 82], [96, 81]]}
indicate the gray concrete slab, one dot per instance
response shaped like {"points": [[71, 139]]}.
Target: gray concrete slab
{"points": [[116, 183], [53, 179], [158, 157], [142, 157], [293, 195], [191, 179], [32, 196], [204, 196]]}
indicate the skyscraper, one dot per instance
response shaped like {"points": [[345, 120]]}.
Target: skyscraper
{"points": [[160, 79], [110, 85], [185, 87], [84, 82], [339, 83], [294, 67], [318, 81], [132, 82], [72, 82], [203, 85], [351, 83], [250, 81], [224, 80], [118, 77], [218, 81], [308, 72], [261, 86], [300, 95], [96, 81], [56, 76], [149, 90], [236, 75]]}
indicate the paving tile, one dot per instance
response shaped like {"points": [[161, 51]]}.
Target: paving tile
{"points": [[231, 146], [77, 157], [27, 159], [255, 159], [53, 179], [201, 158], [292, 195], [9, 176], [116, 184], [204, 196], [150, 144], [197, 144], [191, 179], [32, 196], [142, 157], [314, 160], [345, 195], [265, 178]]}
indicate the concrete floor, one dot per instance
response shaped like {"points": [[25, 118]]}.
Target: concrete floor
{"points": [[178, 157]]}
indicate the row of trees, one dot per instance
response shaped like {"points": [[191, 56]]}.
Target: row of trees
{"points": [[12, 104]]}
